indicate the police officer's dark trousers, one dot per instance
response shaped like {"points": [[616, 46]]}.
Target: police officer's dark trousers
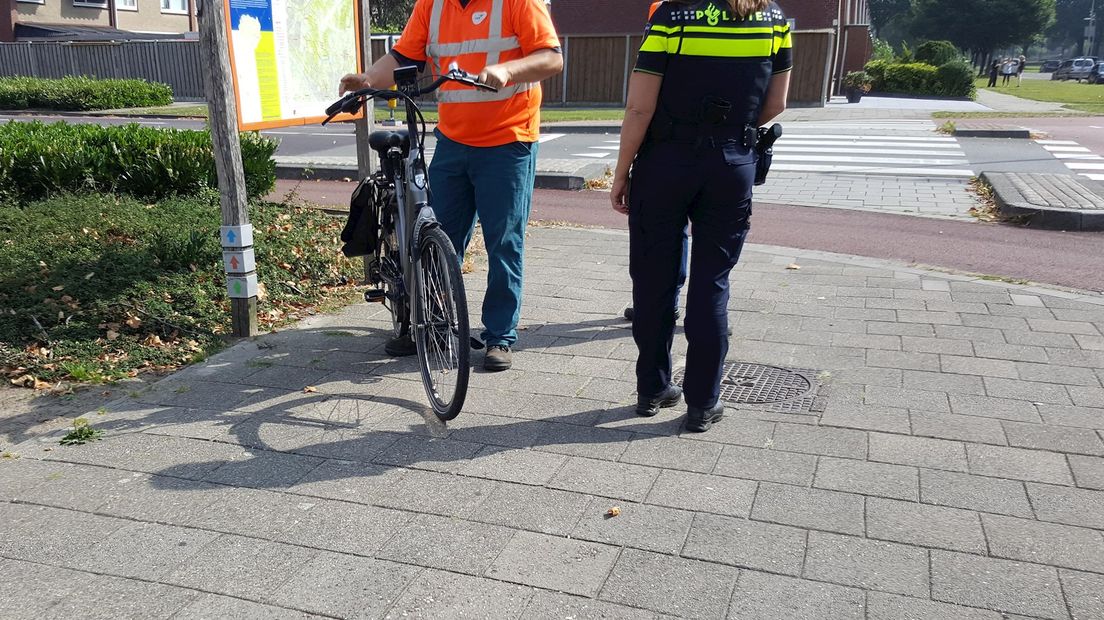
{"points": [[708, 186]]}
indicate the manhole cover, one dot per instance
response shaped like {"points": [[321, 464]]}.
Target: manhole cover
{"points": [[778, 389]]}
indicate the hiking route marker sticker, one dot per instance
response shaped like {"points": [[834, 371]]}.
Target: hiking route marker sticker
{"points": [[239, 260]]}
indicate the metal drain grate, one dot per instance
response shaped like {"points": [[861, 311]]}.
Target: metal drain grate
{"points": [[781, 390]]}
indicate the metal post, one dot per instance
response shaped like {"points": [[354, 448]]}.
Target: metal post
{"points": [[236, 232]]}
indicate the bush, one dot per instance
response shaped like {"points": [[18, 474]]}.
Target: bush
{"points": [[937, 53], [882, 50], [876, 69], [38, 160], [118, 287], [956, 79], [914, 78], [81, 94]]}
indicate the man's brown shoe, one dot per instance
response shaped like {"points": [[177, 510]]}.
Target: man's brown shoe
{"points": [[498, 358]]}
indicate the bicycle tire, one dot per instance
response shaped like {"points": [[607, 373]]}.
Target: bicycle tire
{"points": [[441, 328], [389, 246]]}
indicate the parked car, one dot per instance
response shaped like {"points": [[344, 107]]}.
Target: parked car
{"points": [[1097, 76], [1050, 66], [1075, 69]]}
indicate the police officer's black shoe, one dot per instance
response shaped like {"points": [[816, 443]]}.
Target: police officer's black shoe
{"points": [[648, 407], [699, 420], [403, 346]]}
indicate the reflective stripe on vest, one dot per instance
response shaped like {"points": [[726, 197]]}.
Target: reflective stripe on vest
{"points": [[493, 46], [717, 41]]}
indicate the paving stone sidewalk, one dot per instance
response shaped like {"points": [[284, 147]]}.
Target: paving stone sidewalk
{"points": [[955, 470]]}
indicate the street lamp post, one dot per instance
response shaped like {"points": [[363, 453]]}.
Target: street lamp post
{"points": [[1090, 31]]}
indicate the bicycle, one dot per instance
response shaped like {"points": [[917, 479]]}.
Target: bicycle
{"points": [[437, 311]]}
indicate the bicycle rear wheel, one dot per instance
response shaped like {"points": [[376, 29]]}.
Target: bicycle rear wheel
{"points": [[441, 329]]}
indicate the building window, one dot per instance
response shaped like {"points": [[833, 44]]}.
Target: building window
{"points": [[126, 5], [96, 4], [174, 6]]}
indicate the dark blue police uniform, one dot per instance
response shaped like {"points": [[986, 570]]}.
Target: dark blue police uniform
{"points": [[697, 166]]}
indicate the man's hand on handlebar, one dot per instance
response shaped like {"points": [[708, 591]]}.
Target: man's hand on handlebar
{"points": [[354, 81], [495, 76]]}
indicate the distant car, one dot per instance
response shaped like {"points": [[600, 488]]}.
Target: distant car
{"points": [[1075, 69], [1097, 76], [1050, 66]]}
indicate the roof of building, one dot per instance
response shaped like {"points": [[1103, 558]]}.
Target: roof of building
{"points": [[67, 32]]}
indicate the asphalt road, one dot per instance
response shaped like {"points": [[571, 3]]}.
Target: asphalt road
{"points": [[1067, 259]]}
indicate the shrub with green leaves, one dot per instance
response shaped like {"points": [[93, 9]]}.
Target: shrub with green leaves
{"points": [[81, 94], [956, 79], [937, 53], [96, 287], [914, 77], [38, 160]]}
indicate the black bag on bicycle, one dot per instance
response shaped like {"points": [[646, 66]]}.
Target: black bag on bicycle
{"points": [[361, 233]]}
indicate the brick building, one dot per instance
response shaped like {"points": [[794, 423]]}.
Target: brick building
{"points": [[95, 19], [847, 19]]}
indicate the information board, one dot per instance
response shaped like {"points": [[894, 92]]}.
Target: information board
{"points": [[288, 57]]}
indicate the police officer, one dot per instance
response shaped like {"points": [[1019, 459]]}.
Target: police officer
{"points": [[708, 74]]}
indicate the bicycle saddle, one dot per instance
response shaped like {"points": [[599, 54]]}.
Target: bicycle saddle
{"points": [[383, 140]]}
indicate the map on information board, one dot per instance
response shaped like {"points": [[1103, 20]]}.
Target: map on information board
{"points": [[288, 57]]}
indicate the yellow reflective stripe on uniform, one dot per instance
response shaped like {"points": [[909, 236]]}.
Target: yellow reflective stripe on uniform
{"points": [[664, 29], [722, 48], [784, 42], [654, 44]]}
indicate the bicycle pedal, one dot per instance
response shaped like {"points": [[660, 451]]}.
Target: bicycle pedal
{"points": [[375, 296]]}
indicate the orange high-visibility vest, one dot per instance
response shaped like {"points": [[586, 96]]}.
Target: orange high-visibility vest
{"points": [[484, 33]]}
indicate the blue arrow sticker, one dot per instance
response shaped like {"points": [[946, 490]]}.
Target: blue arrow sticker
{"points": [[230, 236]]}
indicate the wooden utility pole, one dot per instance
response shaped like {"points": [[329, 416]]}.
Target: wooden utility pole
{"points": [[236, 232], [365, 163]]}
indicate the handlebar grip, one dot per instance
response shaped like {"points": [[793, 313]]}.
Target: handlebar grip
{"points": [[336, 107]]}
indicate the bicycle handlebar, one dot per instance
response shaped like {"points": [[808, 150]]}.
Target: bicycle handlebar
{"points": [[351, 102]]}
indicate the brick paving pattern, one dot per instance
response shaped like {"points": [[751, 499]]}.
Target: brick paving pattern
{"points": [[956, 472]]}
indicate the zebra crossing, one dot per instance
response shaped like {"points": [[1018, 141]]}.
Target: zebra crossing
{"points": [[1077, 158], [906, 148]]}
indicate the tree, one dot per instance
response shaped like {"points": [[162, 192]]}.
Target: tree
{"points": [[390, 15], [982, 25], [1069, 23], [883, 12]]}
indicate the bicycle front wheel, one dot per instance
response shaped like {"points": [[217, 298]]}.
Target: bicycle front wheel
{"points": [[441, 329]]}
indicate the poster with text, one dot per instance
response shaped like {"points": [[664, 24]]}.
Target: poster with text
{"points": [[288, 57]]}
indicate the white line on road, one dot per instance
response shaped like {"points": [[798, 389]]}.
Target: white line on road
{"points": [[1094, 177], [592, 155], [816, 136], [899, 161], [923, 172], [548, 137], [304, 133], [605, 148], [1078, 166], [790, 148], [1066, 149], [1066, 142], [807, 142], [1076, 156]]}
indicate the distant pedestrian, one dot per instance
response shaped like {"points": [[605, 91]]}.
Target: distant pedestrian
{"points": [[1008, 70], [1020, 70], [993, 71]]}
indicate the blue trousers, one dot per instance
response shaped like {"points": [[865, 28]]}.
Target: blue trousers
{"points": [[675, 185], [494, 184]]}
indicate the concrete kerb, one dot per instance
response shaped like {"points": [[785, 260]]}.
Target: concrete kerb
{"points": [[1054, 202]]}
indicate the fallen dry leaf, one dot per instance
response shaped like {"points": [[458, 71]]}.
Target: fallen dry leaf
{"points": [[112, 334], [153, 340], [134, 322], [58, 288], [793, 267], [310, 389], [89, 275], [262, 291], [613, 512]]}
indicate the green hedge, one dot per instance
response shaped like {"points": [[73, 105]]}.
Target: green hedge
{"points": [[953, 79], [80, 94], [937, 53], [38, 160]]}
